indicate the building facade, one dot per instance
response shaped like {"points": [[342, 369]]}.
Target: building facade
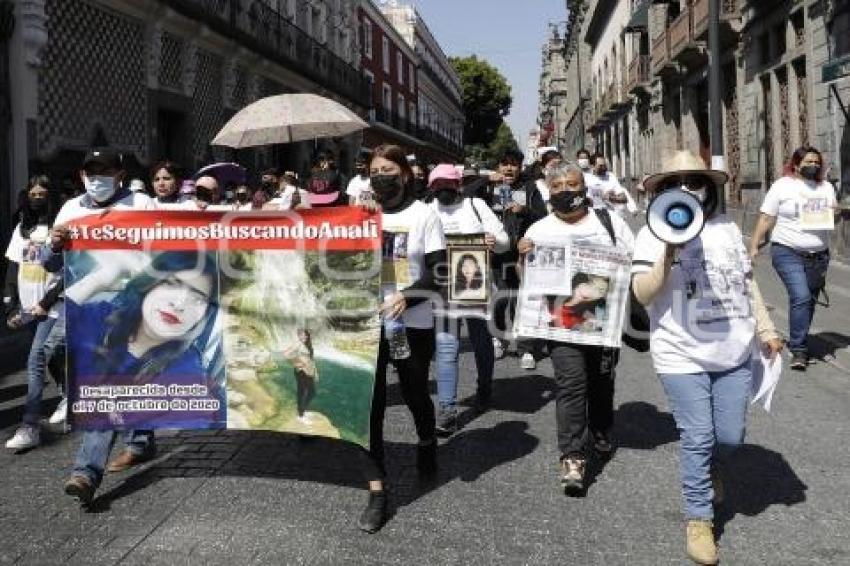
{"points": [[390, 67], [785, 70], [440, 100], [158, 78], [553, 110]]}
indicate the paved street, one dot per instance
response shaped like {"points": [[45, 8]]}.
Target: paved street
{"points": [[234, 498]]}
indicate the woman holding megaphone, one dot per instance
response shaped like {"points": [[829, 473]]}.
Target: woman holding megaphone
{"points": [[705, 311]]}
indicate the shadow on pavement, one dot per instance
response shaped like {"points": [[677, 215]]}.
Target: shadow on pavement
{"points": [[465, 456], [756, 478], [641, 426], [826, 344]]}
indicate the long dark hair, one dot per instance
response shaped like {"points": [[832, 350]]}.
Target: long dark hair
{"points": [[174, 170], [123, 322], [477, 280], [798, 156], [395, 154], [27, 215]]}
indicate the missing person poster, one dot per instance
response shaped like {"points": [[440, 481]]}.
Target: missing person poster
{"points": [[574, 292], [251, 320]]}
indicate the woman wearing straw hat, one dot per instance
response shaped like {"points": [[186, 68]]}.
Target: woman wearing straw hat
{"points": [[705, 310]]}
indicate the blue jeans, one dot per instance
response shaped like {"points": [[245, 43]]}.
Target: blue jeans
{"points": [[448, 346], [37, 371], [97, 444], [710, 410], [802, 276]]}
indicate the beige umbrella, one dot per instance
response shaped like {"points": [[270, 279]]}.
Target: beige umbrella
{"points": [[288, 118]]}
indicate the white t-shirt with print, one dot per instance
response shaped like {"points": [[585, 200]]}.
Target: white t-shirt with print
{"points": [[284, 199], [81, 206], [598, 187], [461, 218], [360, 189], [786, 200], [29, 253], [702, 319], [408, 236], [588, 230]]}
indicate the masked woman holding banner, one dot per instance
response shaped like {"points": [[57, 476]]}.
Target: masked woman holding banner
{"points": [[705, 314], [413, 249]]}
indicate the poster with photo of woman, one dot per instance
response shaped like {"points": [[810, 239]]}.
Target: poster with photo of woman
{"points": [[469, 270]]}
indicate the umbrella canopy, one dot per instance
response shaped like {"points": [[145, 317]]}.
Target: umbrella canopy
{"points": [[224, 173], [288, 118]]}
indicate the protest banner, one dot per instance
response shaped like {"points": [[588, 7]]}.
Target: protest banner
{"points": [[248, 320], [574, 292]]}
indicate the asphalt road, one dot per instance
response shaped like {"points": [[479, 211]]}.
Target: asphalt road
{"points": [[238, 498]]}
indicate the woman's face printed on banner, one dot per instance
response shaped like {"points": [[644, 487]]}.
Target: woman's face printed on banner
{"points": [[173, 307]]}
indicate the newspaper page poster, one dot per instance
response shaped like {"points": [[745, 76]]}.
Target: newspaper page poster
{"points": [[210, 320], [574, 292], [815, 213]]}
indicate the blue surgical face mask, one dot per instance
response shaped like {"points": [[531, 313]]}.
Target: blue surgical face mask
{"points": [[100, 188]]}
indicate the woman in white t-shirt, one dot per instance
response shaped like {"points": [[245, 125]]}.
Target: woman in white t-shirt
{"points": [[463, 216], [798, 211], [413, 248], [705, 312], [29, 298]]}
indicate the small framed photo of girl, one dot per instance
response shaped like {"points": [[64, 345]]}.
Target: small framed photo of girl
{"points": [[469, 269]]}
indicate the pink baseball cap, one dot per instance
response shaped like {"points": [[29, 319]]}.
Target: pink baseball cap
{"points": [[444, 171]]}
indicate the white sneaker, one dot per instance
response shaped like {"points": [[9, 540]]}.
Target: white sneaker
{"points": [[498, 349], [60, 415], [27, 436], [528, 361]]}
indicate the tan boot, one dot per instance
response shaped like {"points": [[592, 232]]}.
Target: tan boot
{"points": [[701, 547]]}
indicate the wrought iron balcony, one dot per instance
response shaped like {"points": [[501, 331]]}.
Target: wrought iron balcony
{"points": [[730, 11], [684, 48], [256, 25]]}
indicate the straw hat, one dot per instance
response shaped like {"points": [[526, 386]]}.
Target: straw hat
{"points": [[684, 163]]}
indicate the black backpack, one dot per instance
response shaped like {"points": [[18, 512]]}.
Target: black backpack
{"points": [[636, 332]]}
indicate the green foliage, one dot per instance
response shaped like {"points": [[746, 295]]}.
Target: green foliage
{"points": [[486, 98]]}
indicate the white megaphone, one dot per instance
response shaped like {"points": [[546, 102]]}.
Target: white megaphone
{"points": [[675, 216]]}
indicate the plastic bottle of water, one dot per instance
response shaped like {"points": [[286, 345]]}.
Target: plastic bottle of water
{"points": [[397, 338]]}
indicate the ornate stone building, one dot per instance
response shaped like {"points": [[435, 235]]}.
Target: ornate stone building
{"points": [[786, 83], [158, 78]]}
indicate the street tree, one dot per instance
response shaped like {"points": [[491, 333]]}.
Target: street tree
{"points": [[486, 98]]}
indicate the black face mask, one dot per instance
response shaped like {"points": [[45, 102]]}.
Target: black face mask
{"points": [[566, 202], [601, 170], [242, 197], [386, 187], [447, 197], [38, 204], [810, 172], [269, 186]]}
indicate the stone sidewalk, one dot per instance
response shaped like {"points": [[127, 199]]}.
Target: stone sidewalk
{"points": [[261, 498]]}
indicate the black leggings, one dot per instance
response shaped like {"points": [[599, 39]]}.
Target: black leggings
{"points": [[306, 385], [413, 381]]}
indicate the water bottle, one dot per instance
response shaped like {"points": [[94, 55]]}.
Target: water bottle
{"points": [[397, 338]]}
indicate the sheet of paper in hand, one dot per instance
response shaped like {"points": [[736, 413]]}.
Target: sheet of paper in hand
{"points": [[224, 320], [574, 292]]}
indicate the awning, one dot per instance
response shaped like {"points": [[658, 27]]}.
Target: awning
{"points": [[640, 18]]}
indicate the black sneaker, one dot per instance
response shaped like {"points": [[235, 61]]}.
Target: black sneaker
{"points": [[602, 443], [799, 361], [572, 475], [446, 422], [375, 514], [426, 458], [80, 487]]}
